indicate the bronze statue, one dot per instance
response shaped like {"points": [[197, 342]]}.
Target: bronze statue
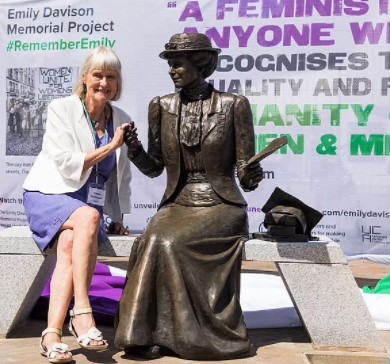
{"points": [[183, 280]]}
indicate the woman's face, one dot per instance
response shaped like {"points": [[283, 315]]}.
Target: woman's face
{"points": [[102, 85], [183, 72]]}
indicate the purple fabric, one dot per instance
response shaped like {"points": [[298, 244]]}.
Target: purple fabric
{"points": [[46, 214], [105, 293]]}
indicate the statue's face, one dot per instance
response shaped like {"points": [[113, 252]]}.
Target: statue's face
{"points": [[183, 72]]}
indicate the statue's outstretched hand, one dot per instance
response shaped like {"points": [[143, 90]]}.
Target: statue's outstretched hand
{"points": [[131, 140], [250, 176]]}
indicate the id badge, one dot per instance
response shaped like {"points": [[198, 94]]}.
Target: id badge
{"points": [[96, 194]]}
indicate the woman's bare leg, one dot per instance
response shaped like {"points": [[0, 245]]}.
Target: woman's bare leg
{"points": [[85, 222], [61, 288]]}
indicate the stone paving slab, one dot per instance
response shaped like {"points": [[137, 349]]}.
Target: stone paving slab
{"points": [[343, 359], [271, 346]]}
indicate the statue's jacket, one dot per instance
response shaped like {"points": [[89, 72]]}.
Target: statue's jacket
{"points": [[227, 142]]}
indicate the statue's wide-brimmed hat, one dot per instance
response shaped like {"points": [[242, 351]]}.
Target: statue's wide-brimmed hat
{"points": [[184, 42]]}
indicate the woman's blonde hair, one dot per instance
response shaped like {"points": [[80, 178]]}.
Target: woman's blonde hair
{"points": [[100, 58]]}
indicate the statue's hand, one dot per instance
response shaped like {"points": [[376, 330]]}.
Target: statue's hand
{"points": [[131, 139], [250, 176]]}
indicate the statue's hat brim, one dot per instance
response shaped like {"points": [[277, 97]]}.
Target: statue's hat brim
{"points": [[190, 42]]}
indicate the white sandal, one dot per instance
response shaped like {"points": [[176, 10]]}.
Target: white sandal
{"points": [[92, 334], [55, 348]]}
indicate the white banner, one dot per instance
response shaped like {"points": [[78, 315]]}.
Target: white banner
{"points": [[314, 70]]}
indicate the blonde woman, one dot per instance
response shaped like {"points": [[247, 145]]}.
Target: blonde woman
{"points": [[81, 172]]}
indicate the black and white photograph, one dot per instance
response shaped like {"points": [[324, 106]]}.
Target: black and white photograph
{"points": [[29, 90]]}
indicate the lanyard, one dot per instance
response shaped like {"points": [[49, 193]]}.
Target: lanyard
{"points": [[94, 135]]}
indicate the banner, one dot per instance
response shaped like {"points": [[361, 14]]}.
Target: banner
{"points": [[317, 71]]}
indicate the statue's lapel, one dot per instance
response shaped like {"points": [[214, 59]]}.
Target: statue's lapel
{"points": [[213, 115], [174, 113]]}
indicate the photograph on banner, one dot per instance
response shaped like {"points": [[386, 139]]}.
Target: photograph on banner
{"points": [[314, 71], [29, 90]]}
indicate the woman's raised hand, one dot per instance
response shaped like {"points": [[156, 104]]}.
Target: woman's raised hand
{"points": [[118, 139]]}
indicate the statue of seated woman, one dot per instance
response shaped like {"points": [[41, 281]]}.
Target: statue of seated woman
{"points": [[183, 280]]}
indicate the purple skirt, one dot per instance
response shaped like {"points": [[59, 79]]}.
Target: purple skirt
{"points": [[47, 213]]}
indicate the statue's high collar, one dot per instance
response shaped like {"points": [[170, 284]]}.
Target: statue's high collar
{"points": [[199, 92]]}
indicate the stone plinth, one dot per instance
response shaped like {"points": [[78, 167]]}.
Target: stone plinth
{"points": [[331, 306], [324, 292], [24, 271]]}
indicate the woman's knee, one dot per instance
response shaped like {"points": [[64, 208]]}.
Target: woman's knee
{"points": [[65, 243], [87, 216]]}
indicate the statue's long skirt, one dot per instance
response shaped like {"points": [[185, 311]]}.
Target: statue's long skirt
{"points": [[183, 284]]}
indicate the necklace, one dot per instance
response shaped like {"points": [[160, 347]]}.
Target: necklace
{"points": [[92, 123], [96, 123]]}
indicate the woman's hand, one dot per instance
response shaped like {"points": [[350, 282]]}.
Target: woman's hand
{"points": [[118, 139]]}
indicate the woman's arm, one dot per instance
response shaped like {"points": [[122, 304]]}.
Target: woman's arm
{"points": [[68, 145], [99, 154]]}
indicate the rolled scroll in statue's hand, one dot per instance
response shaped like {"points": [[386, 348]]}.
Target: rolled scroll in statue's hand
{"points": [[268, 150]]}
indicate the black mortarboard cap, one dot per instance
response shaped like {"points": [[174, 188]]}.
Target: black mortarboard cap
{"points": [[280, 201]]}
